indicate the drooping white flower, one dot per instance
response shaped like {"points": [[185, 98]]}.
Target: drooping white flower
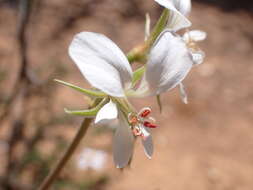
{"points": [[170, 60], [168, 64], [178, 12]]}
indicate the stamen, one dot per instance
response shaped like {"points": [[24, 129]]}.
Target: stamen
{"points": [[151, 119], [137, 132], [149, 125], [144, 132], [133, 119], [144, 112], [139, 122]]}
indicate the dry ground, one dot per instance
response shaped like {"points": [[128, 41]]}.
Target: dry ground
{"points": [[205, 145]]}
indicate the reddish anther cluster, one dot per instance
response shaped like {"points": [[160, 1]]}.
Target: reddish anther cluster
{"points": [[143, 115], [145, 112], [141, 121], [149, 125]]}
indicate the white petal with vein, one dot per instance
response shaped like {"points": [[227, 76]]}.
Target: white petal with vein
{"points": [[101, 62], [178, 9], [168, 64], [148, 146], [183, 6], [123, 143]]}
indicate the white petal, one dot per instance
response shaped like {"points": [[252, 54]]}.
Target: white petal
{"points": [[123, 144], [108, 112], [148, 146], [183, 6], [183, 93], [194, 35], [176, 20], [198, 57], [144, 131], [168, 64], [101, 62]]}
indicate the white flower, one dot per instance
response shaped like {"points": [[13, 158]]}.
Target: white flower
{"points": [[106, 68], [91, 158], [170, 60], [178, 10]]}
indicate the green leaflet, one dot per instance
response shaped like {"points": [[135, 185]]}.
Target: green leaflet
{"points": [[88, 92], [137, 75], [89, 112]]}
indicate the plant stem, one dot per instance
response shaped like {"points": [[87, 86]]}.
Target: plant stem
{"points": [[72, 147]]}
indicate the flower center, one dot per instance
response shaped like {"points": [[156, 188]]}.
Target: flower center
{"points": [[140, 121]]}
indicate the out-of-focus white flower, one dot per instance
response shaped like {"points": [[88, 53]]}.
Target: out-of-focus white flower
{"points": [[178, 11], [91, 159]]}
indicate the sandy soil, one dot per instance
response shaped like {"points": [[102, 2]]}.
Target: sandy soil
{"points": [[207, 144]]}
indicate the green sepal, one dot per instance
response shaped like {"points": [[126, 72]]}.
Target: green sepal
{"points": [[137, 75], [160, 25], [158, 99], [88, 92], [89, 112]]}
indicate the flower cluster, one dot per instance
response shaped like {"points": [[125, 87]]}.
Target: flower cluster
{"points": [[169, 59]]}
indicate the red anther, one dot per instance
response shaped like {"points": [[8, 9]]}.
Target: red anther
{"points": [[145, 113], [149, 125]]}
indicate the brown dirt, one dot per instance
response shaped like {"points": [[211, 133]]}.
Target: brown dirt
{"points": [[207, 144]]}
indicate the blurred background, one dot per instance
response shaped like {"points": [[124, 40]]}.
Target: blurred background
{"points": [[205, 145]]}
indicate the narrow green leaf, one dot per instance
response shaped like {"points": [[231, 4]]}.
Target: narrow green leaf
{"points": [[88, 92], [89, 112], [137, 75], [158, 99]]}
